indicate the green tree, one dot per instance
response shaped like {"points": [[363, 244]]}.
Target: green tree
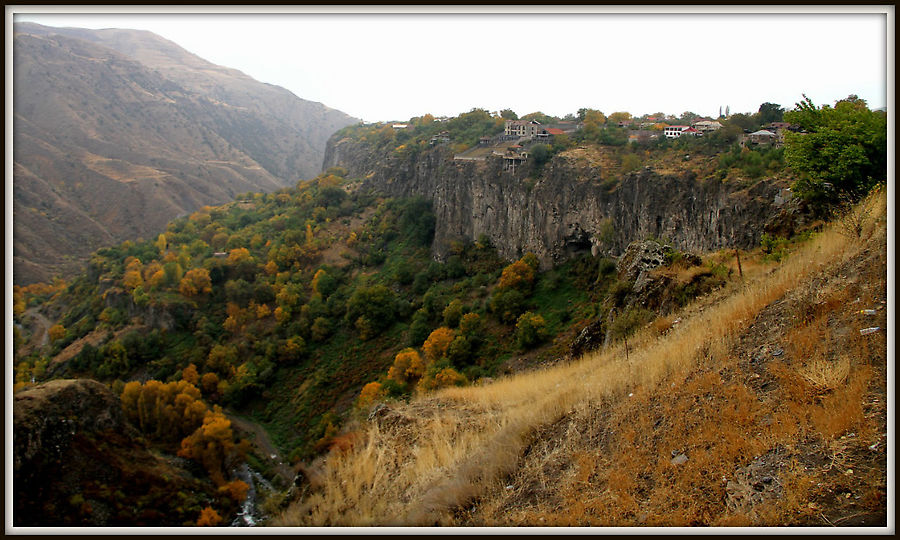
{"points": [[372, 310], [769, 112], [530, 329], [508, 114], [842, 155]]}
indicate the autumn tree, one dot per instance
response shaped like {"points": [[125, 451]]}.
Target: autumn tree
{"points": [[408, 367], [56, 332], [195, 282], [369, 394], [212, 445], [190, 375], [133, 278], [438, 342], [209, 518]]}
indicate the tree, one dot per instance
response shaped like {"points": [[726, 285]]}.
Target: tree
{"points": [[530, 329], [211, 445], [369, 394], [438, 342], [195, 282], [56, 332], [518, 275], [373, 309], [620, 116], [769, 112], [591, 116], [508, 114], [843, 155], [209, 518], [190, 375], [407, 365]]}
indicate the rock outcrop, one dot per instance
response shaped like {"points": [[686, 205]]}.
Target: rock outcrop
{"points": [[565, 209], [77, 461]]}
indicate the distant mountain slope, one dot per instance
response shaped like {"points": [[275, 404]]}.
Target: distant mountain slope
{"points": [[116, 132]]}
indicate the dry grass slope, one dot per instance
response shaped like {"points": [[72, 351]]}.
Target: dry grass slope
{"points": [[764, 406]]}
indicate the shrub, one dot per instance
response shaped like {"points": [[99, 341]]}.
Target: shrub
{"points": [[530, 330]]}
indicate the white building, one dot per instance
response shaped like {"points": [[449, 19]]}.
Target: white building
{"points": [[673, 132]]}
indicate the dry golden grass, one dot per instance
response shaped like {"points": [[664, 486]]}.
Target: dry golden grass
{"points": [[591, 442]]}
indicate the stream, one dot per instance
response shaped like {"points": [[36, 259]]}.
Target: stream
{"points": [[250, 514]]}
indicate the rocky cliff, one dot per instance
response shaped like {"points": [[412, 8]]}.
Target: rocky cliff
{"points": [[78, 462], [564, 209]]}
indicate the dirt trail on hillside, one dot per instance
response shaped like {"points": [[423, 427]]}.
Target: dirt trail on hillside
{"points": [[40, 327]]}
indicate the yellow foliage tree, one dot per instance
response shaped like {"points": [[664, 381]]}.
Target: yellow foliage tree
{"points": [[57, 332], [195, 282], [518, 275], [237, 255], [407, 364], [442, 379], [161, 244], [211, 445], [369, 394], [189, 374], [438, 342]]}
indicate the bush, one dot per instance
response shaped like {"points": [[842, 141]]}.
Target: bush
{"points": [[530, 330]]}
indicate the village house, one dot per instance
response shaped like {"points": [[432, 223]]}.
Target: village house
{"points": [[704, 126], [522, 128], [441, 138], [763, 137], [674, 132]]}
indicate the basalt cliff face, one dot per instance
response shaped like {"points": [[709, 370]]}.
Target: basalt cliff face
{"points": [[565, 209]]}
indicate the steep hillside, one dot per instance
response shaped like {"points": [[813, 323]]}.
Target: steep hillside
{"points": [[765, 404], [117, 132], [79, 462], [578, 202]]}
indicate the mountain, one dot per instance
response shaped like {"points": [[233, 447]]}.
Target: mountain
{"points": [[116, 132]]}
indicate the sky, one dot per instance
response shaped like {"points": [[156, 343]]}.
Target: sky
{"points": [[388, 66]]}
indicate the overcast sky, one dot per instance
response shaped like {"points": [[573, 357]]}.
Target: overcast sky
{"points": [[395, 66]]}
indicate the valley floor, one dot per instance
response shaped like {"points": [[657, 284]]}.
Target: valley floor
{"points": [[766, 405]]}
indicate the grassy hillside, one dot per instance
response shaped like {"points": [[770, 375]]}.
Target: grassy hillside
{"points": [[287, 305], [765, 405]]}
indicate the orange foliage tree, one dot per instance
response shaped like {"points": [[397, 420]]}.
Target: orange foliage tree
{"points": [[438, 342], [369, 394], [208, 518]]}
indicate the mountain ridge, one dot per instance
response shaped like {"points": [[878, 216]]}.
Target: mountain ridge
{"points": [[110, 147]]}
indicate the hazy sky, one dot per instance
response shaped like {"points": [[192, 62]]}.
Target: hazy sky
{"points": [[395, 66]]}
